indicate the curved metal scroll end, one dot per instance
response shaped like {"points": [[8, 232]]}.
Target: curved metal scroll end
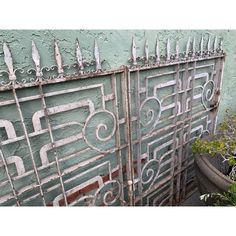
{"points": [[187, 47], [58, 59], [79, 57], [36, 59], [194, 47], [134, 53], [209, 44], [168, 50], [177, 50], [201, 46], [97, 56], [146, 51], [9, 62], [215, 44]]}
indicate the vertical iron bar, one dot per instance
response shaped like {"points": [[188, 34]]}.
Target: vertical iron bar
{"points": [[36, 58], [118, 153], [175, 133], [127, 92], [139, 137], [189, 116], [9, 177], [181, 135], [12, 78]]}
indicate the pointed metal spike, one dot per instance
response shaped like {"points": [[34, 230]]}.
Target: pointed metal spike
{"points": [[146, 51], [97, 56], [215, 44], [168, 50], [187, 47], [158, 57], [134, 52], [36, 59], [9, 62], [194, 46], [79, 57], [221, 44], [209, 44], [201, 46], [177, 49], [58, 59]]}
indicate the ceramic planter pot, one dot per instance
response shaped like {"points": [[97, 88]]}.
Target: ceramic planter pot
{"points": [[211, 173]]}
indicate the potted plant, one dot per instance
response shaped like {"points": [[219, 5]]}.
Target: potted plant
{"points": [[215, 162]]}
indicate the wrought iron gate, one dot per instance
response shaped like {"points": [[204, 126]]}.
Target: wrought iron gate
{"points": [[119, 137]]}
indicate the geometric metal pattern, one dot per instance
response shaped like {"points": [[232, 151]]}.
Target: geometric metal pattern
{"points": [[70, 136]]}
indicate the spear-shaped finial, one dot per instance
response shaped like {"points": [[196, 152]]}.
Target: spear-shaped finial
{"points": [[215, 44], [187, 47], [168, 50], [97, 56], [79, 57], [194, 46], [201, 46], [9, 62], [146, 51], [221, 44], [58, 58], [36, 59], [134, 52], [177, 50], [158, 57], [209, 44]]}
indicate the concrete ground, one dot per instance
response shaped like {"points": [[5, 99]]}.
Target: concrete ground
{"points": [[193, 200]]}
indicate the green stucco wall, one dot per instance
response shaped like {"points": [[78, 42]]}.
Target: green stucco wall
{"points": [[115, 49]]}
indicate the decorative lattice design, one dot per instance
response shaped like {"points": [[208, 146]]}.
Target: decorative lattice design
{"points": [[70, 135]]}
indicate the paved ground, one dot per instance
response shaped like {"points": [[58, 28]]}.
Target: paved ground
{"points": [[193, 200]]}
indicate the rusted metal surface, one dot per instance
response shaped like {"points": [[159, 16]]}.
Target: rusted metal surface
{"points": [[173, 103], [119, 137]]}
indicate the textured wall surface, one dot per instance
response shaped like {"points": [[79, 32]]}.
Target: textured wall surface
{"points": [[115, 49], [97, 95]]}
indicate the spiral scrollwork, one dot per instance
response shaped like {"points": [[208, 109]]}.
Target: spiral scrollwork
{"points": [[150, 172], [208, 93], [108, 194], [99, 130], [150, 112]]}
